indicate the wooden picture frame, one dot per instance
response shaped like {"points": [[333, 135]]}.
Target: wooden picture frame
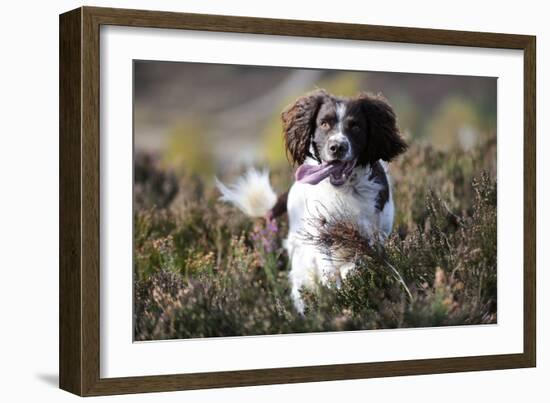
{"points": [[80, 186]]}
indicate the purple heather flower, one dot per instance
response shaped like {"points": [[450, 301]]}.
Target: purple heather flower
{"points": [[266, 237]]}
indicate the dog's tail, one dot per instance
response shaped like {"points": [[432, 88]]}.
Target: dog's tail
{"points": [[251, 193]]}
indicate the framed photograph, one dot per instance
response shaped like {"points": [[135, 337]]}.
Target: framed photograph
{"points": [[249, 201]]}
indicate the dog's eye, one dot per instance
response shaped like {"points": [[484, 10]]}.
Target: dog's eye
{"points": [[355, 127], [325, 125]]}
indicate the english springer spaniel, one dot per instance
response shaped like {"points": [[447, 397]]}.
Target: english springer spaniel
{"points": [[340, 145]]}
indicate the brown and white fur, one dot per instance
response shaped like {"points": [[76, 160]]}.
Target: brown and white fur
{"points": [[341, 146]]}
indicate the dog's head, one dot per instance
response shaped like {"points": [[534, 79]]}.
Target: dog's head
{"points": [[340, 133]]}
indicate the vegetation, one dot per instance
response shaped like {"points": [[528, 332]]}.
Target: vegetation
{"points": [[203, 269]]}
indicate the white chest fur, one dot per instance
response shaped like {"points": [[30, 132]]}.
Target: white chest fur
{"points": [[355, 200]]}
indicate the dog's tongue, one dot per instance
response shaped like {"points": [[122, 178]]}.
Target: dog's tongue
{"points": [[313, 174]]}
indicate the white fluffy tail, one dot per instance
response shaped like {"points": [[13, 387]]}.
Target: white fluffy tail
{"points": [[251, 193]]}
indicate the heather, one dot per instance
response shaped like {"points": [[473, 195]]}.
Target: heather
{"points": [[204, 269]]}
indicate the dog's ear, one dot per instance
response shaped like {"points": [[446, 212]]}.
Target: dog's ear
{"points": [[384, 140], [299, 124]]}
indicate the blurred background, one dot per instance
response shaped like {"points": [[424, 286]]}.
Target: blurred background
{"points": [[205, 119], [202, 269]]}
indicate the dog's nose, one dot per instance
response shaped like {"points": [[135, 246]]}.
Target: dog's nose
{"points": [[337, 148]]}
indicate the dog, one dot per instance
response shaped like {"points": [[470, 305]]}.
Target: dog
{"points": [[341, 147]]}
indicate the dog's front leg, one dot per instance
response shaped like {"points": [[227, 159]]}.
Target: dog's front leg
{"points": [[327, 272], [345, 269]]}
